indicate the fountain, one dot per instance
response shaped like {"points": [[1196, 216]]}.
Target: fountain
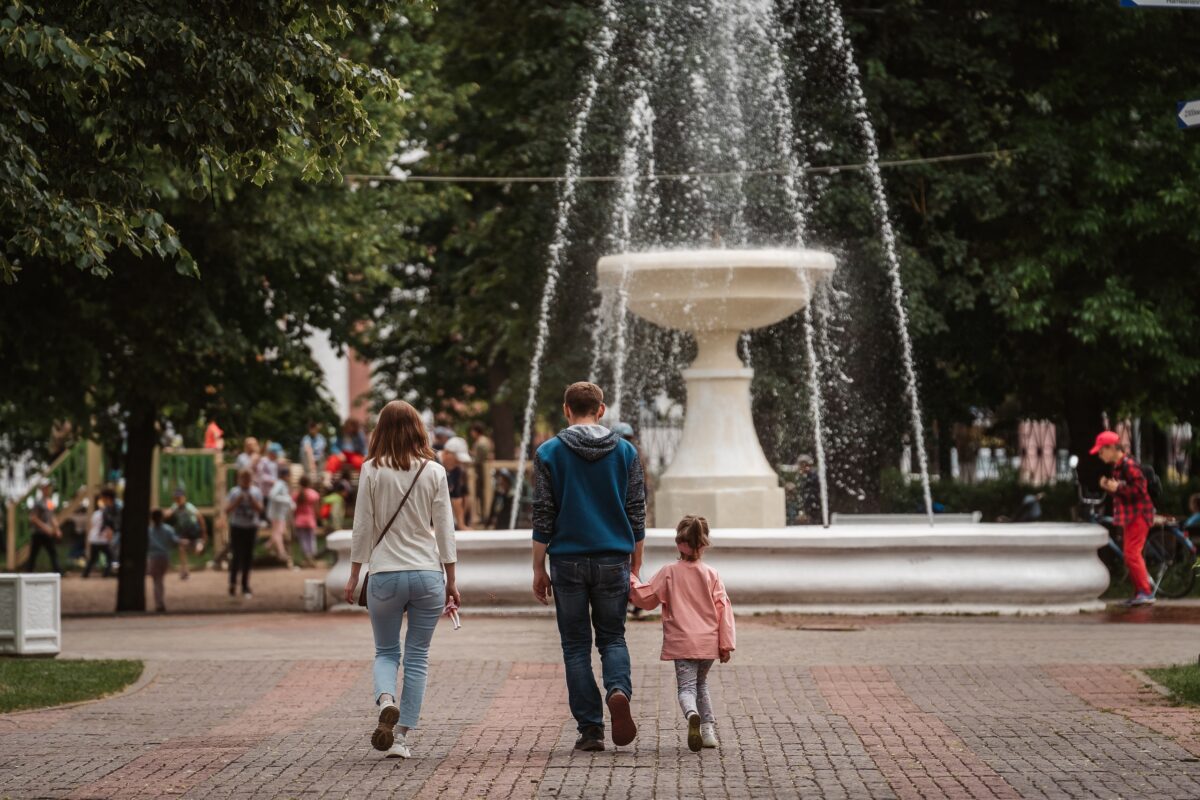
{"points": [[693, 103], [719, 470]]}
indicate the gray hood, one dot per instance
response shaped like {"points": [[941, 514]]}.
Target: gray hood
{"points": [[585, 443]]}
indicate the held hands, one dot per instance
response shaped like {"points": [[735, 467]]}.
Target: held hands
{"points": [[541, 586], [725, 655]]}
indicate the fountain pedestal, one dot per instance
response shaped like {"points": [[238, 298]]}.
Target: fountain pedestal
{"points": [[719, 470]]}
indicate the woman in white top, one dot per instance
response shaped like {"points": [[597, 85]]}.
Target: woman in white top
{"points": [[411, 563]]}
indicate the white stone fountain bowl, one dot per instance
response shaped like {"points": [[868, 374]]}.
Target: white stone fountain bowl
{"points": [[706, 290]]}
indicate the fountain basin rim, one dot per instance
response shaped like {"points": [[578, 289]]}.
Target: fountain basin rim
{"points": [[1049, 535], [714, 259]]}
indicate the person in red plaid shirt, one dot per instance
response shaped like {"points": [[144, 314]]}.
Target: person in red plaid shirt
{"points": [[1133, 510]]}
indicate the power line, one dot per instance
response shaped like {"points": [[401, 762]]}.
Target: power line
{"points": [[675, 176]]}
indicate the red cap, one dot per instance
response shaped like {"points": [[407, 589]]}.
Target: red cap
{"points": [[1103, 439]]}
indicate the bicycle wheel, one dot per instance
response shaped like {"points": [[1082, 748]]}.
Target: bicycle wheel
{"points": [[1174, 564]]}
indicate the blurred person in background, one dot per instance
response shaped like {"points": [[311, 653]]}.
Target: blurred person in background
{"points": [[810, 491], [482, 450], [244, 505], [46, 533], [189, 525], [248, 458], [214, 437], [499, 516], [279, 512], [441, 435], [305, 502], [97, 539], [266, 471], [312, 451], [161, 539], [455, 458]]}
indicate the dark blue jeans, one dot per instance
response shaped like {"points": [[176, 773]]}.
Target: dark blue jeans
{"points": [[591, 592]]}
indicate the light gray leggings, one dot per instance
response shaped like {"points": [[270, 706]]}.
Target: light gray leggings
{"points": [[691, 678]]}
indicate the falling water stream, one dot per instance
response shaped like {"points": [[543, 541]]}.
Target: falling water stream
{"points": [[858, 102], [602, 52], [704, 95]]}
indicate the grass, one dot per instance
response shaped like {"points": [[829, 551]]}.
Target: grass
{"points": [[42, 682], [1183, 681]]}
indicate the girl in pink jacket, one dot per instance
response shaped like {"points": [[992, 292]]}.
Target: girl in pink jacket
{"points": [[697, 622]]}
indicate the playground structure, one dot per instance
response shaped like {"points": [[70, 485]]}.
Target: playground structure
{"points": [[79, 473]]}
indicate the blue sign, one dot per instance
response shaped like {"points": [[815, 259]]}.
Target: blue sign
{"points": [[1188, 114], [1160, 4]]}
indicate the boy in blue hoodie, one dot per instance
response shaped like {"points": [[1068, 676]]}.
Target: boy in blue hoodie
{"points": [[589, 516]]}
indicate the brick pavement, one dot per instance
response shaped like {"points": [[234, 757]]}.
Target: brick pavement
{"points": [[495, 725]]}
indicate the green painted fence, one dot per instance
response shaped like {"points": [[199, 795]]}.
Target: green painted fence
{"points": [[193, 471]]}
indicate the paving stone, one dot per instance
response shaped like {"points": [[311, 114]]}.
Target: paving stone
{"points": [[254, 722]]}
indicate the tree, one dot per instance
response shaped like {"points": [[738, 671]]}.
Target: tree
{"points": [[478, 291], [1042, 280], [144, 343], [1061, 277]]}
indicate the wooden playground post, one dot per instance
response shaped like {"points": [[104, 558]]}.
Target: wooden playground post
{"points": [[10, 537], [220, 523]]}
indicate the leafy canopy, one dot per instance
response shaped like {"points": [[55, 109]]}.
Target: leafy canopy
{"points": [[119, 107]]}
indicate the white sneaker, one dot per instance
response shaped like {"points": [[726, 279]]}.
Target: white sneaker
{"points": [[708, 735], [399, 748]]}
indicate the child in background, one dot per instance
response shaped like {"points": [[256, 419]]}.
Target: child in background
{"points": [[305, 521], [98, 539], [279, 511], [697, 622], [335, 504], [189, 525], [161, 540]]}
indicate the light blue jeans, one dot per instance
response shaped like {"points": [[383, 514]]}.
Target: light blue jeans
{"points": [[422, 595]]}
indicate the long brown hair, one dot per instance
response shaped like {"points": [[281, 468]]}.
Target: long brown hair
{"points": [[399, 437]]}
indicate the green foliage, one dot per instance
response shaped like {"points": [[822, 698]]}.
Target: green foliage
{"points": [[40, 682], [237, 131], [1002, 497], [1182, 680], [994, 498], [1068, 272], [117, 108], [276, 262], [479, 287]]}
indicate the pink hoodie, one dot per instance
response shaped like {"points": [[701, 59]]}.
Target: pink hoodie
{"points": [[697, 615]]}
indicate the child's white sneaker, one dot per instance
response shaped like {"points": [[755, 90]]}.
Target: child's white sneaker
{"points": [[708, 735], [399, 748], [694, 738]]}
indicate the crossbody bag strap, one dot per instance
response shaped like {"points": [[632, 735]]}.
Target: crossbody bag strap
{"points": [[400, 507]]}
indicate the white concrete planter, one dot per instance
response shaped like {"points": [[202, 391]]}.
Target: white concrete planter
{"points": [[339, 573], [30, 614], [860, 569]]}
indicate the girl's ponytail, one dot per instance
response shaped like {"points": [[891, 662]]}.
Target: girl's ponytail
{"points": [[691, 537]]}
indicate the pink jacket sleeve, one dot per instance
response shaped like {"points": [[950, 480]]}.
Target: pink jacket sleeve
{"points": [[650, 595], [726, 635]]}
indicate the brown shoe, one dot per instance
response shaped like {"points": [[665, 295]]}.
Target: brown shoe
{"points": [[624, 730], [591, 739], [384, 736]]}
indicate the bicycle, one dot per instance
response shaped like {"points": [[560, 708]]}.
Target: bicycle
{"points": [[1169, 552]]}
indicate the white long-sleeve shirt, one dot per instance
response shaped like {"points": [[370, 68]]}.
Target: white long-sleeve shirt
{"points": [[422, 537]]}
